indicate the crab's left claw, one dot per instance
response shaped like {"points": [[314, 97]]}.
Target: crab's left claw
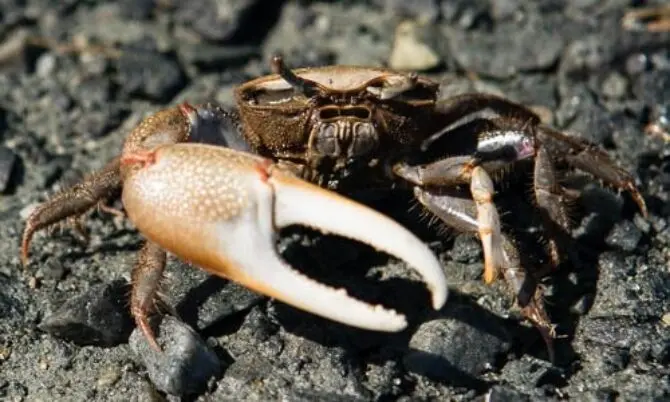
{"points": [[220, 209]]}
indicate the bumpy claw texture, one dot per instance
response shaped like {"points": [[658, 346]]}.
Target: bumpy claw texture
{"points": [[220, 209]]}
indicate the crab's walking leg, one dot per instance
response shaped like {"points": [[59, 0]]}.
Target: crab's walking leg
{"points": [[220, 209], [552, 201], [169, 126], [589, 158], [529, 295], [495, 150], [488, 226], [72, 202], [146, 279], [457, 108], [462, 170], [462, 214]]}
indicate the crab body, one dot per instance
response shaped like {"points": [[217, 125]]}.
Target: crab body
{"points": [[297, 142]]}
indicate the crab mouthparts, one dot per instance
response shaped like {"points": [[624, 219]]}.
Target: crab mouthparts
{"points": [[221, 210]]}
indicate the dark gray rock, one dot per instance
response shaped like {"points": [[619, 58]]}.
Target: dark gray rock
{"points": [[137, 9], [528, 374], [251, 378], [629, 288], [145, 73], [660, 351], [11, 12], [12, 390], [625, 236], [211, 57], [653, 88], [271, 363], [423, 10], [466, 14], [203, 300], [457, 348], [637, 63], [498, 55], [186, 363], [217, 20], [501, 393], [98, 317], [588, 53], [466, 249], [8, 161]]}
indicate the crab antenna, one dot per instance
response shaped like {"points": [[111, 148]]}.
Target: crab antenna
{"points": [[306, 87]]}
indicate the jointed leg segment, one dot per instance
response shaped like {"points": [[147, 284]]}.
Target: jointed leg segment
{"points": [[461, 213], [488, 221], [500, 143], [146, 278], [552, 203], [72, 202]]}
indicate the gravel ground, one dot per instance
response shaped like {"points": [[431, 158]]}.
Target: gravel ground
{"points": [[77, 75]]}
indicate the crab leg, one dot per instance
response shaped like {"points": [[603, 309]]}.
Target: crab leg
{"points": [[72, 202], [462, 214], [551, 200], [590, 159], [488, 226], [220, 209], [146, 279]]}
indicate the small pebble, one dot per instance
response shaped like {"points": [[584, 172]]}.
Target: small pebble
{"points": [[108, 376], [97, 317], [410, 52], [615, 86], [46, 64], [637, 63], [665, 319], [186, 363]]}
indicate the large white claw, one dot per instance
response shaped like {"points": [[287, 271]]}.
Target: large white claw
{"points": [[220, 210]]}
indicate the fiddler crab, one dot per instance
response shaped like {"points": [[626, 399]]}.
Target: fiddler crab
{"points": [[297, 142]]}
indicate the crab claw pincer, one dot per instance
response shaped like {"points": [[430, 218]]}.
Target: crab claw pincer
{"points": [[220, 209]]}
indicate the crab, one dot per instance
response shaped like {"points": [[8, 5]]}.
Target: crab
{"points": [[650, 19], [213, 185]]}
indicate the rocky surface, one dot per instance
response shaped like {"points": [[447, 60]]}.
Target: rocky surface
{"points": [[75, 76]]}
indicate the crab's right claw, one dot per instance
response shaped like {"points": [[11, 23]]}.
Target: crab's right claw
{"points": [[220, 209]]}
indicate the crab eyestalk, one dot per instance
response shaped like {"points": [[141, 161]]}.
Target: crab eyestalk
{"points": [[306, 87], [220, 209]]}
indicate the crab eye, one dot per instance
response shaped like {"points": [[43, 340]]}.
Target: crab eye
{"points": [[393, 86]]}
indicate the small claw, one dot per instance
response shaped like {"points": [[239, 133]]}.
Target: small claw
{"points": [[220, 209]]}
